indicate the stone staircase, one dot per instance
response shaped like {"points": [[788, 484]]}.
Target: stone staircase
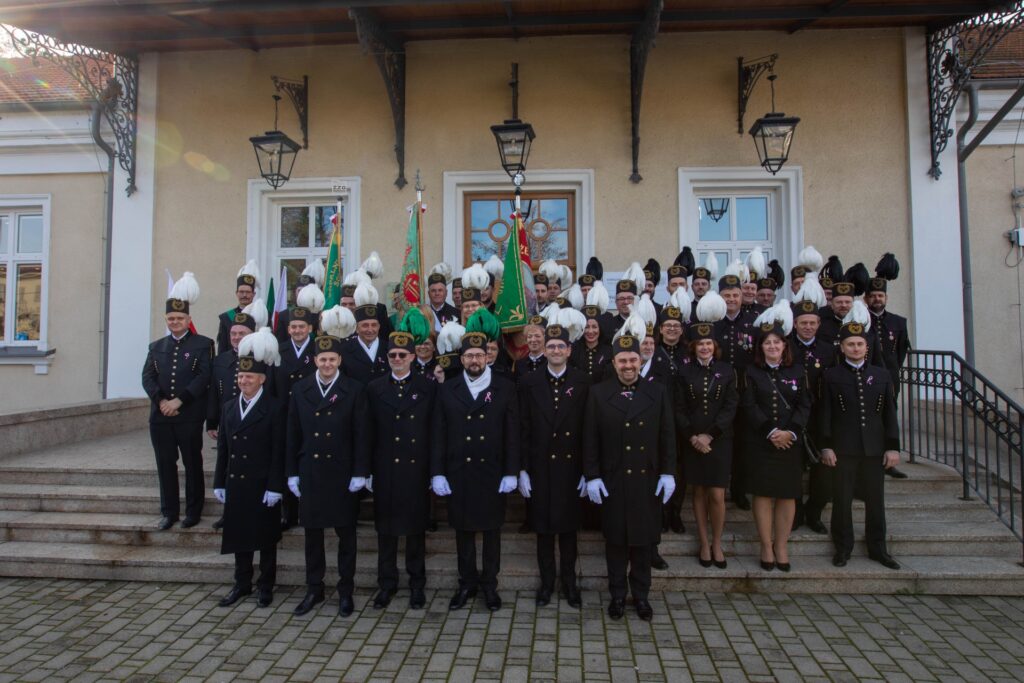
{"points": [[89, 510]]}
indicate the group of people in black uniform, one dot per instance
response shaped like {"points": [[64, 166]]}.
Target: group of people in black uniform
{"points": [[599, 412]]}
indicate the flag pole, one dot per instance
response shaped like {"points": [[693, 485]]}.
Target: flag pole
{"points": [[419, 233]]}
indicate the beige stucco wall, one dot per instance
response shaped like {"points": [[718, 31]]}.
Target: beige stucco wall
{"points": [[998, 287], [75, 313], [847, 86]]}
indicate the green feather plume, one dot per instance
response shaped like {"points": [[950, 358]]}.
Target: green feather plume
{"points": [[484, 321], [415, 324]]}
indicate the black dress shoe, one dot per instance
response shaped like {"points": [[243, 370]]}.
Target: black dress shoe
{"points": [[658, 562], [798, 521], [704, 563], [767, 566], [165, 523], [311, 600], [884, 559], [644, 610], [616, 608], [817, 526], [461, 597], [783, 566], [383, 598], [234, 595], [895, 473], [572, 596], [742, 502], [543, 597], [189, 522], [525, 528], [492, 600], [676, 524], [219, 524], [417, 599], [345, 606], [840, 559], [264, 597], [432, 526], [721, 564], [285, 525]]}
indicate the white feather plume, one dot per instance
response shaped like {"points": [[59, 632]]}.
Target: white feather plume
{"points": [[449, 339], [574, 297], [315, 270], [338, 321], [251, 268], [711, 307], [810, 259], [565, 278], [780, 313], [681, 299], [442, 268], [257, 310], [756, 263], [186, 288], [634, 326], [859, 314], [635, 272], [373, 266], [262, 346], [357, 277], [310, 297], [572, 320], [366, 294], [550, 269], [598, 296], [711, 264], [739, 269], [811, 290], [475, 276], [550, 312], [645, 309], [495, 267]]}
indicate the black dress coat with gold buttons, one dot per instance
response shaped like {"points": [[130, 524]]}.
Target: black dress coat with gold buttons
{"points": [[475, 442], [628, 442], [358, 365], [705, 403], [292, 368], [857, 412], [327, 446], [399, 433], [775, 399], [595, 362], [250, 461], [551, 415], [178, 369], [223, 386]]}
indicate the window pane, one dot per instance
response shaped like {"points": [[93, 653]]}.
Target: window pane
{"points": [[28, 298], [711, 231], [483, 212], [294, 268], [555, 211], [3, 301], [294, 226], [325, 225], [5, 228], [30, 234], [555, 246], [483, 247], [751, 218]]}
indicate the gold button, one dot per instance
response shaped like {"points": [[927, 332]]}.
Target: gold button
{"points": [[481, 438], [413, 460], [643, 471], [316, 455], [555, 435], [241, 476], [567, 433], [235, 437], [641, 423], [317, 414], [469, 417], [413, 440], [627, 424], [232, 476], [629, 471], [481, 459], [328, 435], [629, 448], [469, 438], [553, 456], [396, 459], [397, 439], [316, 433], [469, 459]]}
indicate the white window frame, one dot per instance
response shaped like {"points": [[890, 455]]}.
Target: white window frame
{"points": [[264, 211], [29, 203], [785, 203], [458, 183]]}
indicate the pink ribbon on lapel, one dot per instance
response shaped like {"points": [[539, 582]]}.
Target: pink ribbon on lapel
{"points": [[487, 397]]}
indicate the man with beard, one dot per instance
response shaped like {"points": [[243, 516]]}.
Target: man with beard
{"points": [[245, 291]]}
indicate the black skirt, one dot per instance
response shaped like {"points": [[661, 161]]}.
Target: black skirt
{"points": [[775, 473], [709, 469]]}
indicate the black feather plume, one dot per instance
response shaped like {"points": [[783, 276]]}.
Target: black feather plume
{"points": [[686, 260], [776, 273], [595, 268], [655, 268], [888, 267], [833, 269], [859, 276]]}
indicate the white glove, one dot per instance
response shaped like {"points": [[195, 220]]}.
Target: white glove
{"points": [[356, 483], [439, 485], [271, 498], [524, 484], [369, 483], [220, 494], [582, 487], [508, 484], [293, 486], [666, 485], [595, 489]]}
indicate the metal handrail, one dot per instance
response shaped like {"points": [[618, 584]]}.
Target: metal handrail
{"points": [[952, 414]]}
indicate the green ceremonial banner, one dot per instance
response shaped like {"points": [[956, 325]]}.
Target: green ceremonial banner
{"points": [[510, 306], [412, 284], [332, 280]]}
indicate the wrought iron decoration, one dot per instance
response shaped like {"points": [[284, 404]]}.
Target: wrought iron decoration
{"points": [[92, 69], [749, 73]]}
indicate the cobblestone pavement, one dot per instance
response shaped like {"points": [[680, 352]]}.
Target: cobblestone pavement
{"points": [[107, 630]]}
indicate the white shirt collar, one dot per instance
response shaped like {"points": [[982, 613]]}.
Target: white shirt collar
{"points": [[399, 379], [477, 385], [855, 366], [320, 382], [245, 411], [646, 367], [559, 374], [371, 350], [299, 349]]}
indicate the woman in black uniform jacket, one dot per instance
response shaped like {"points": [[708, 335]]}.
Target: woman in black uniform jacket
{"points": [[775, 406], [589, 354], [705, 406]]}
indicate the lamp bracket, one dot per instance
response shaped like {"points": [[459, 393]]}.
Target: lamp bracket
{"points": [[639, 47], [389, 53], [298, 93], [749, 72], [93, 70], [954, 53]]}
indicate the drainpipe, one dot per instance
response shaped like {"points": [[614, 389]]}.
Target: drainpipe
{"points": [[105, 102]]}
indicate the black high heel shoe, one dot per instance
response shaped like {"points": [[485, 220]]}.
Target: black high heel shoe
{"points": [[721, 564], [704, 563], [768, 566], [783, 566]]}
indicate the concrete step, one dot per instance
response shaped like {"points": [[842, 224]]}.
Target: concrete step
{"points": [[935, 575]]}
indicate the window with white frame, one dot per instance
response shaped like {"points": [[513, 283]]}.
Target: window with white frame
{"points": [[24, 241], [303, 234], [760, 210]]}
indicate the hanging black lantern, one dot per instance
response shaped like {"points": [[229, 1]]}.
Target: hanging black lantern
{"points": [[773, 135], [526, 207], [513, 136], [715, 207], [275, 153]]}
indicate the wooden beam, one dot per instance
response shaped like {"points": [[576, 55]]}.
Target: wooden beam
{"points": [[804, 23]]}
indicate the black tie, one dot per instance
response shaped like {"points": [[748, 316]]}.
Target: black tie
{"points": [[245, 404]]}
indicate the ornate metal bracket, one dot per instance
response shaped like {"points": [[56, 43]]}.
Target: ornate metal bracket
{"points": [[93, 69], [639, 47], [954, 52], [298, 93], [749, 73], [389, 54]]}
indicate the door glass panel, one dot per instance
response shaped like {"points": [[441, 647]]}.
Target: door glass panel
{"points": [[751, 219], [710, 230], [293, 269], [294, 227], [30, 234], [5, 223], [325, 225]]}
